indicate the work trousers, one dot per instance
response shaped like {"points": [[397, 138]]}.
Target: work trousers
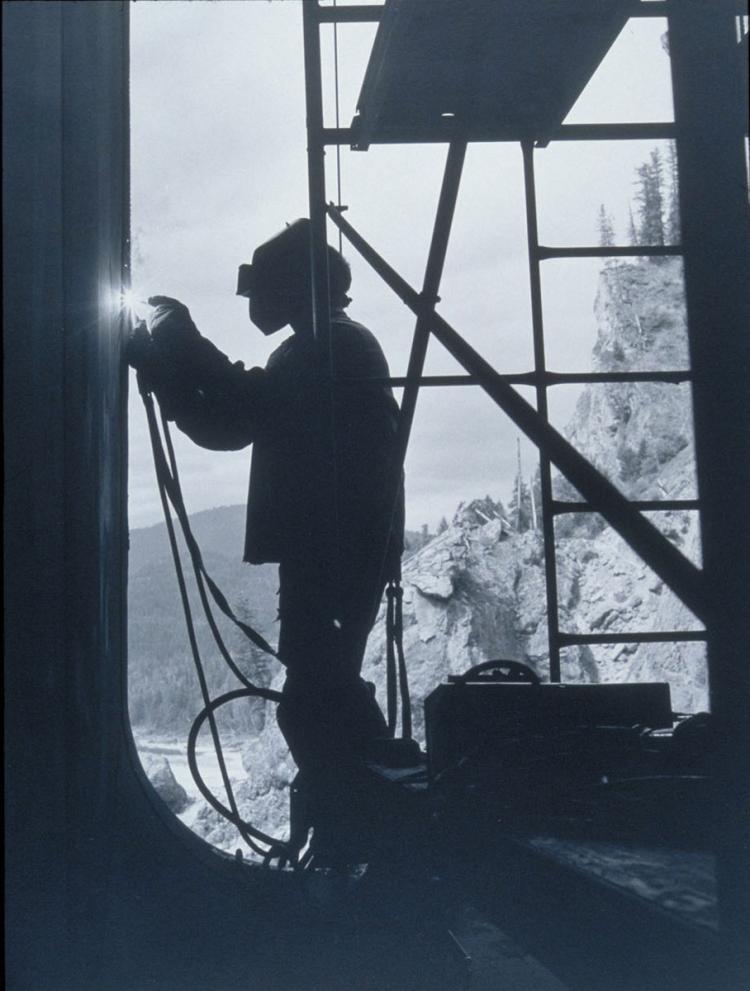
{"points": [[328, 713]]}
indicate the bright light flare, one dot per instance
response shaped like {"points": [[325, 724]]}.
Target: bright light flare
{"points": [[137, 309]]}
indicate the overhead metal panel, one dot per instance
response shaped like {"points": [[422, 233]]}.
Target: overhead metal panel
{"points": [[481, 68]]}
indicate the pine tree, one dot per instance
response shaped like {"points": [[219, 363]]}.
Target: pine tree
{"points": [[657, 192], [649, 196], [536, 494], [605, 228], [632, 230], [521, 513], [519, 507], [442, 525], [674, 231]]}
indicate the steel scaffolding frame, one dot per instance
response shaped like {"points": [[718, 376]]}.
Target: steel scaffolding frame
{"points": [[709, 136]]}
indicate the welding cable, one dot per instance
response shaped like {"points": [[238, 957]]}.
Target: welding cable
{"points": [[394, 648], [164, 483], [162, 472], [278, 848], [176, 498], [390, 660], [174, 490], [403, 677]]}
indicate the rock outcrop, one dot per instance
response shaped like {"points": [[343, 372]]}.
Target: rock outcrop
{"points": [[477, 592], [159, 773], [632, 431]]}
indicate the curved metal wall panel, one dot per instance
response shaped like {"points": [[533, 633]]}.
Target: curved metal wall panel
{"points": [[65, 192], [101, 891]]}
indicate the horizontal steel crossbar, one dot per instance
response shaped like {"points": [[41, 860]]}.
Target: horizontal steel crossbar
{"points": [[647, 506], [664, 636], [636, 131], [631, 251], [529, 378], [444, 131], [575, 378], [659, 554], [652, 8]]}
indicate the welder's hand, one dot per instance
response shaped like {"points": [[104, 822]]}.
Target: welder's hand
{"points": [[172, 327]]}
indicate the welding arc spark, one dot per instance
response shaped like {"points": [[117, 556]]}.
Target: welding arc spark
{"points": [[137, 309]]}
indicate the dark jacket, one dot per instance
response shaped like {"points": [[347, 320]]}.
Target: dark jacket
{"points": [[301, 498]]}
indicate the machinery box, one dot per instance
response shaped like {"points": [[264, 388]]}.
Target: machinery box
{"points": [[487, 720]]}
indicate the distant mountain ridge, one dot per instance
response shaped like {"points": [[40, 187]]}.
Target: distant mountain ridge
{"points": [[220, 530]]}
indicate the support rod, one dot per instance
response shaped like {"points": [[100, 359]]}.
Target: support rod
{"points": [[428, 298], [321, 310], [540, 366], [316, 180], [670, 565], [425, 311]]}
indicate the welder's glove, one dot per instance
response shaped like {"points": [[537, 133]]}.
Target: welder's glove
{"points": [[164, 358], [171, 325], [178, 348]]}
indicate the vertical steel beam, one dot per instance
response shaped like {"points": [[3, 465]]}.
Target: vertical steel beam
{"points": [[707, 84], [540, 367], [321, 310], [316, 177]]}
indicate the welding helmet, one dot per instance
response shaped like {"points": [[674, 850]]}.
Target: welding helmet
{"points": [[278, 281]]}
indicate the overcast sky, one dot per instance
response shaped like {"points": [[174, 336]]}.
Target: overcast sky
{"points": [[219, 165]]}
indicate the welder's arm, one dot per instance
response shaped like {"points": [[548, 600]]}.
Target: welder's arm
{"points": [[219, 405], [223, 410]]}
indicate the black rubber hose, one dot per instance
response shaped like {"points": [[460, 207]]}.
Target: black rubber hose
{"points": [[245, 828]]}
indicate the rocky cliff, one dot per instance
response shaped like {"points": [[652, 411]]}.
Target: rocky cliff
{"points": [[476, 591], [633, 431]]}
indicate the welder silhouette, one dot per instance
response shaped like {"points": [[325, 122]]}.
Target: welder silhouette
{"points": [[318, 481]]}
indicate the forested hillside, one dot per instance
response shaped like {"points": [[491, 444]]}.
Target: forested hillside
{"points": [[164, 694]]}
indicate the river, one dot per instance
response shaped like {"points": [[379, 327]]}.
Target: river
{"points": [[175, 751]]}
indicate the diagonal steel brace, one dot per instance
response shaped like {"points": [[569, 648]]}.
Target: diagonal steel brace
{"points": [[680, 574]]}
